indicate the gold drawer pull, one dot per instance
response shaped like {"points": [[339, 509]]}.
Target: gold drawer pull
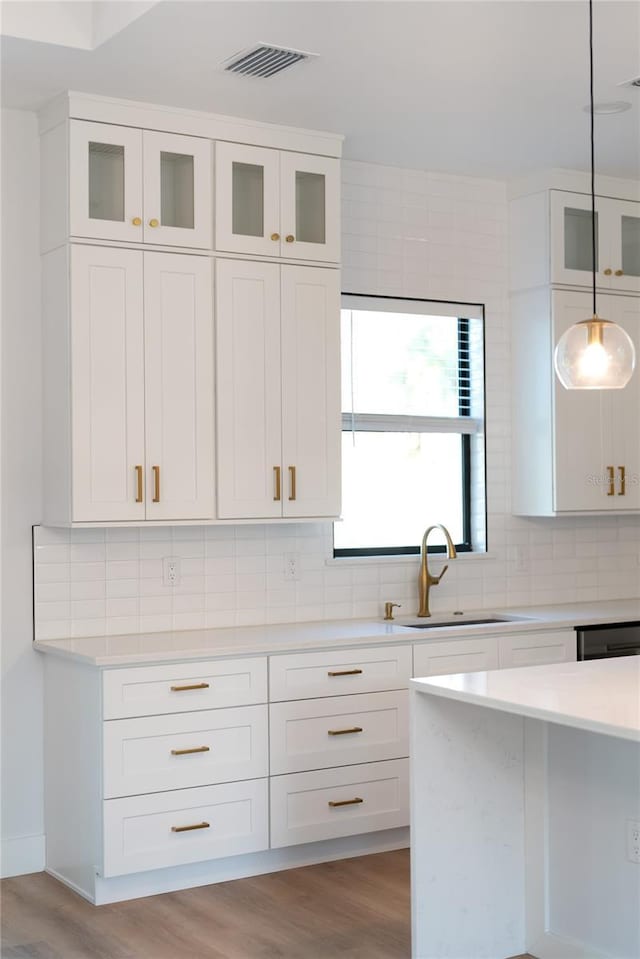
{"points": [[619, 272], [344, 672], [188, 752], [277, 493], [275, 236], [623, 480], [290, 238], [156, 484], [343, 732], [138, 484], [154, 222], [137, 221], [182, 689], [612, 482], [197, 825], [608, 271], [292, 482], [346, 802]]}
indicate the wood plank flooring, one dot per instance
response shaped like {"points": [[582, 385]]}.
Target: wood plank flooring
{"points": [[352, 909], [355, 908]]}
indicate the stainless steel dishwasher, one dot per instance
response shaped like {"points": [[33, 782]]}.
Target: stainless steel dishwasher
{"points": [[605, 642]]}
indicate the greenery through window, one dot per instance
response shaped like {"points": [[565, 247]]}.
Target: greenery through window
{"points": [[412, 422]]}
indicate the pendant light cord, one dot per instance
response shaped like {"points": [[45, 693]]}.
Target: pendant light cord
{"points": [[593, 160]]}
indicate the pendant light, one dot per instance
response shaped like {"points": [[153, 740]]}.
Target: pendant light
{"points": [[594, 354]]}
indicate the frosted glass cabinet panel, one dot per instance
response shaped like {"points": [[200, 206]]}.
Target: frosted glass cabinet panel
{"points": [[617, 241], [310, 207], [105, 174], [248, 199], [177, 190]]}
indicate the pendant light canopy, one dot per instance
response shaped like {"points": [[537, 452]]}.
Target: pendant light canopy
{"points": [[594, 354]]}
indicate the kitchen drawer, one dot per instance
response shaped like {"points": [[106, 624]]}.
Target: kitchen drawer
{"points": [[139, 831], [181, 687], [147, 755], [365, 798], [455, 656], [339, 672], [341, 730], [535, 649]]}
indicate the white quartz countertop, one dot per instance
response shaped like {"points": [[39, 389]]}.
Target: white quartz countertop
{"points": [[137, 648], [602, 696]]}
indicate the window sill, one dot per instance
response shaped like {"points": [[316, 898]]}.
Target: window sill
{"points": [[403, 560]]}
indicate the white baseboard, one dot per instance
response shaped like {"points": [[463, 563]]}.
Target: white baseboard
{"points": [[22, 855], [549, 946]]}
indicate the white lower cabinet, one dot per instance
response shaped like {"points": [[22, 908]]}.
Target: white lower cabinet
{"points": [[455, 656], [329, 803], [185, 825], [339, 672], [340, 730], [154, 753], [535, 649]]}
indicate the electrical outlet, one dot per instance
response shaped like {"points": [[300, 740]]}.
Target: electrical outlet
{"points": [[633, 841], [170, 571], [291, 567]]}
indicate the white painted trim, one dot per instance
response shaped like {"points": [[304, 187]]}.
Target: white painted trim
{"points": [[159, 881], [22, 855], [549, 946], [151, 116], [575, 181], [143, 524]]}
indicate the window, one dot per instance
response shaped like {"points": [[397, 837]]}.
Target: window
{"points": [[412, 425]]}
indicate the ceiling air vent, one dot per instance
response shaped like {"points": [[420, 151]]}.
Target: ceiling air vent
{"points": [[265, 60]]}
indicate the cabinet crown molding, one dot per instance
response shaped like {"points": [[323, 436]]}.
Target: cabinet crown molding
{"points": [[213, 126]]}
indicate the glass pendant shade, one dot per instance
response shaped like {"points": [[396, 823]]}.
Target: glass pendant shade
{"points": [[595, 354]]}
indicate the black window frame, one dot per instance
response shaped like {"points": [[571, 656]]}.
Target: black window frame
{"points": [[464, 409]]}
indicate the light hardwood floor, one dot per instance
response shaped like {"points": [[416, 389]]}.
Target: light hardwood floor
{"points": [[355, 908]]}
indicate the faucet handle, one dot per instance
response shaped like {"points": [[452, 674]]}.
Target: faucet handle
{"points": [[436, 579], [388, 609]]}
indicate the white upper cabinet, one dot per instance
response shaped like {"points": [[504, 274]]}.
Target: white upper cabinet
{"points": [[278, 390], [276, 203], [140, 186], [179, 388], [105, 180]]}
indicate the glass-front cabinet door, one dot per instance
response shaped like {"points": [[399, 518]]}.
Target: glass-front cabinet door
{"points": [[310, 207], [571, 241], [625, 245], [105, 181], [177, 190], [247, 199]]}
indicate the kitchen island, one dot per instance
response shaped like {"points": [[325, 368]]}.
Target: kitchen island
{"points": [[525, 799]]}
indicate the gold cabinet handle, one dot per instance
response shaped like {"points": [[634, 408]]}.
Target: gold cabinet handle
{"points": [[608, 271], [344, 672], [276, 474], [343, 732], [137, 221], [153, 222], [196, 825], [156, 484], [184, 689], [289, 237], [619, 272], [623, 481], [292, 482], [612, 481], [139, 493], [345, 802], [275, 236], [189, 752]]}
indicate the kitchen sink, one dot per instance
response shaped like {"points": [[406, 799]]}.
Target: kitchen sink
{"points": [[461, 621]]}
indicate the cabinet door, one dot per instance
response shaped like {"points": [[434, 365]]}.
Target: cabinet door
{"points": [[623, 449], [580, 416], [311, 428], [178, 209], [625, 245], [536, 649], [571, 255], [247, 199], [455, 656], [179, 386], [248, 401], [105, 181], [310, 207], [107, 374]]}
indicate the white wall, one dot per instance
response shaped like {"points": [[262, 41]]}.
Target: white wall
{"points": [[22, 847]]}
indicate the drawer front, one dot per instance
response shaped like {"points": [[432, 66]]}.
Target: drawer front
{"points": [[182, 687], [148, 832], [330, 803], [194, 749], [339, 672], [320, 733], [456, 656], [535, 649]]}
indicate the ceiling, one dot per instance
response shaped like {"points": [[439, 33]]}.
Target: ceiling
{"points": [[493, 89]]}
